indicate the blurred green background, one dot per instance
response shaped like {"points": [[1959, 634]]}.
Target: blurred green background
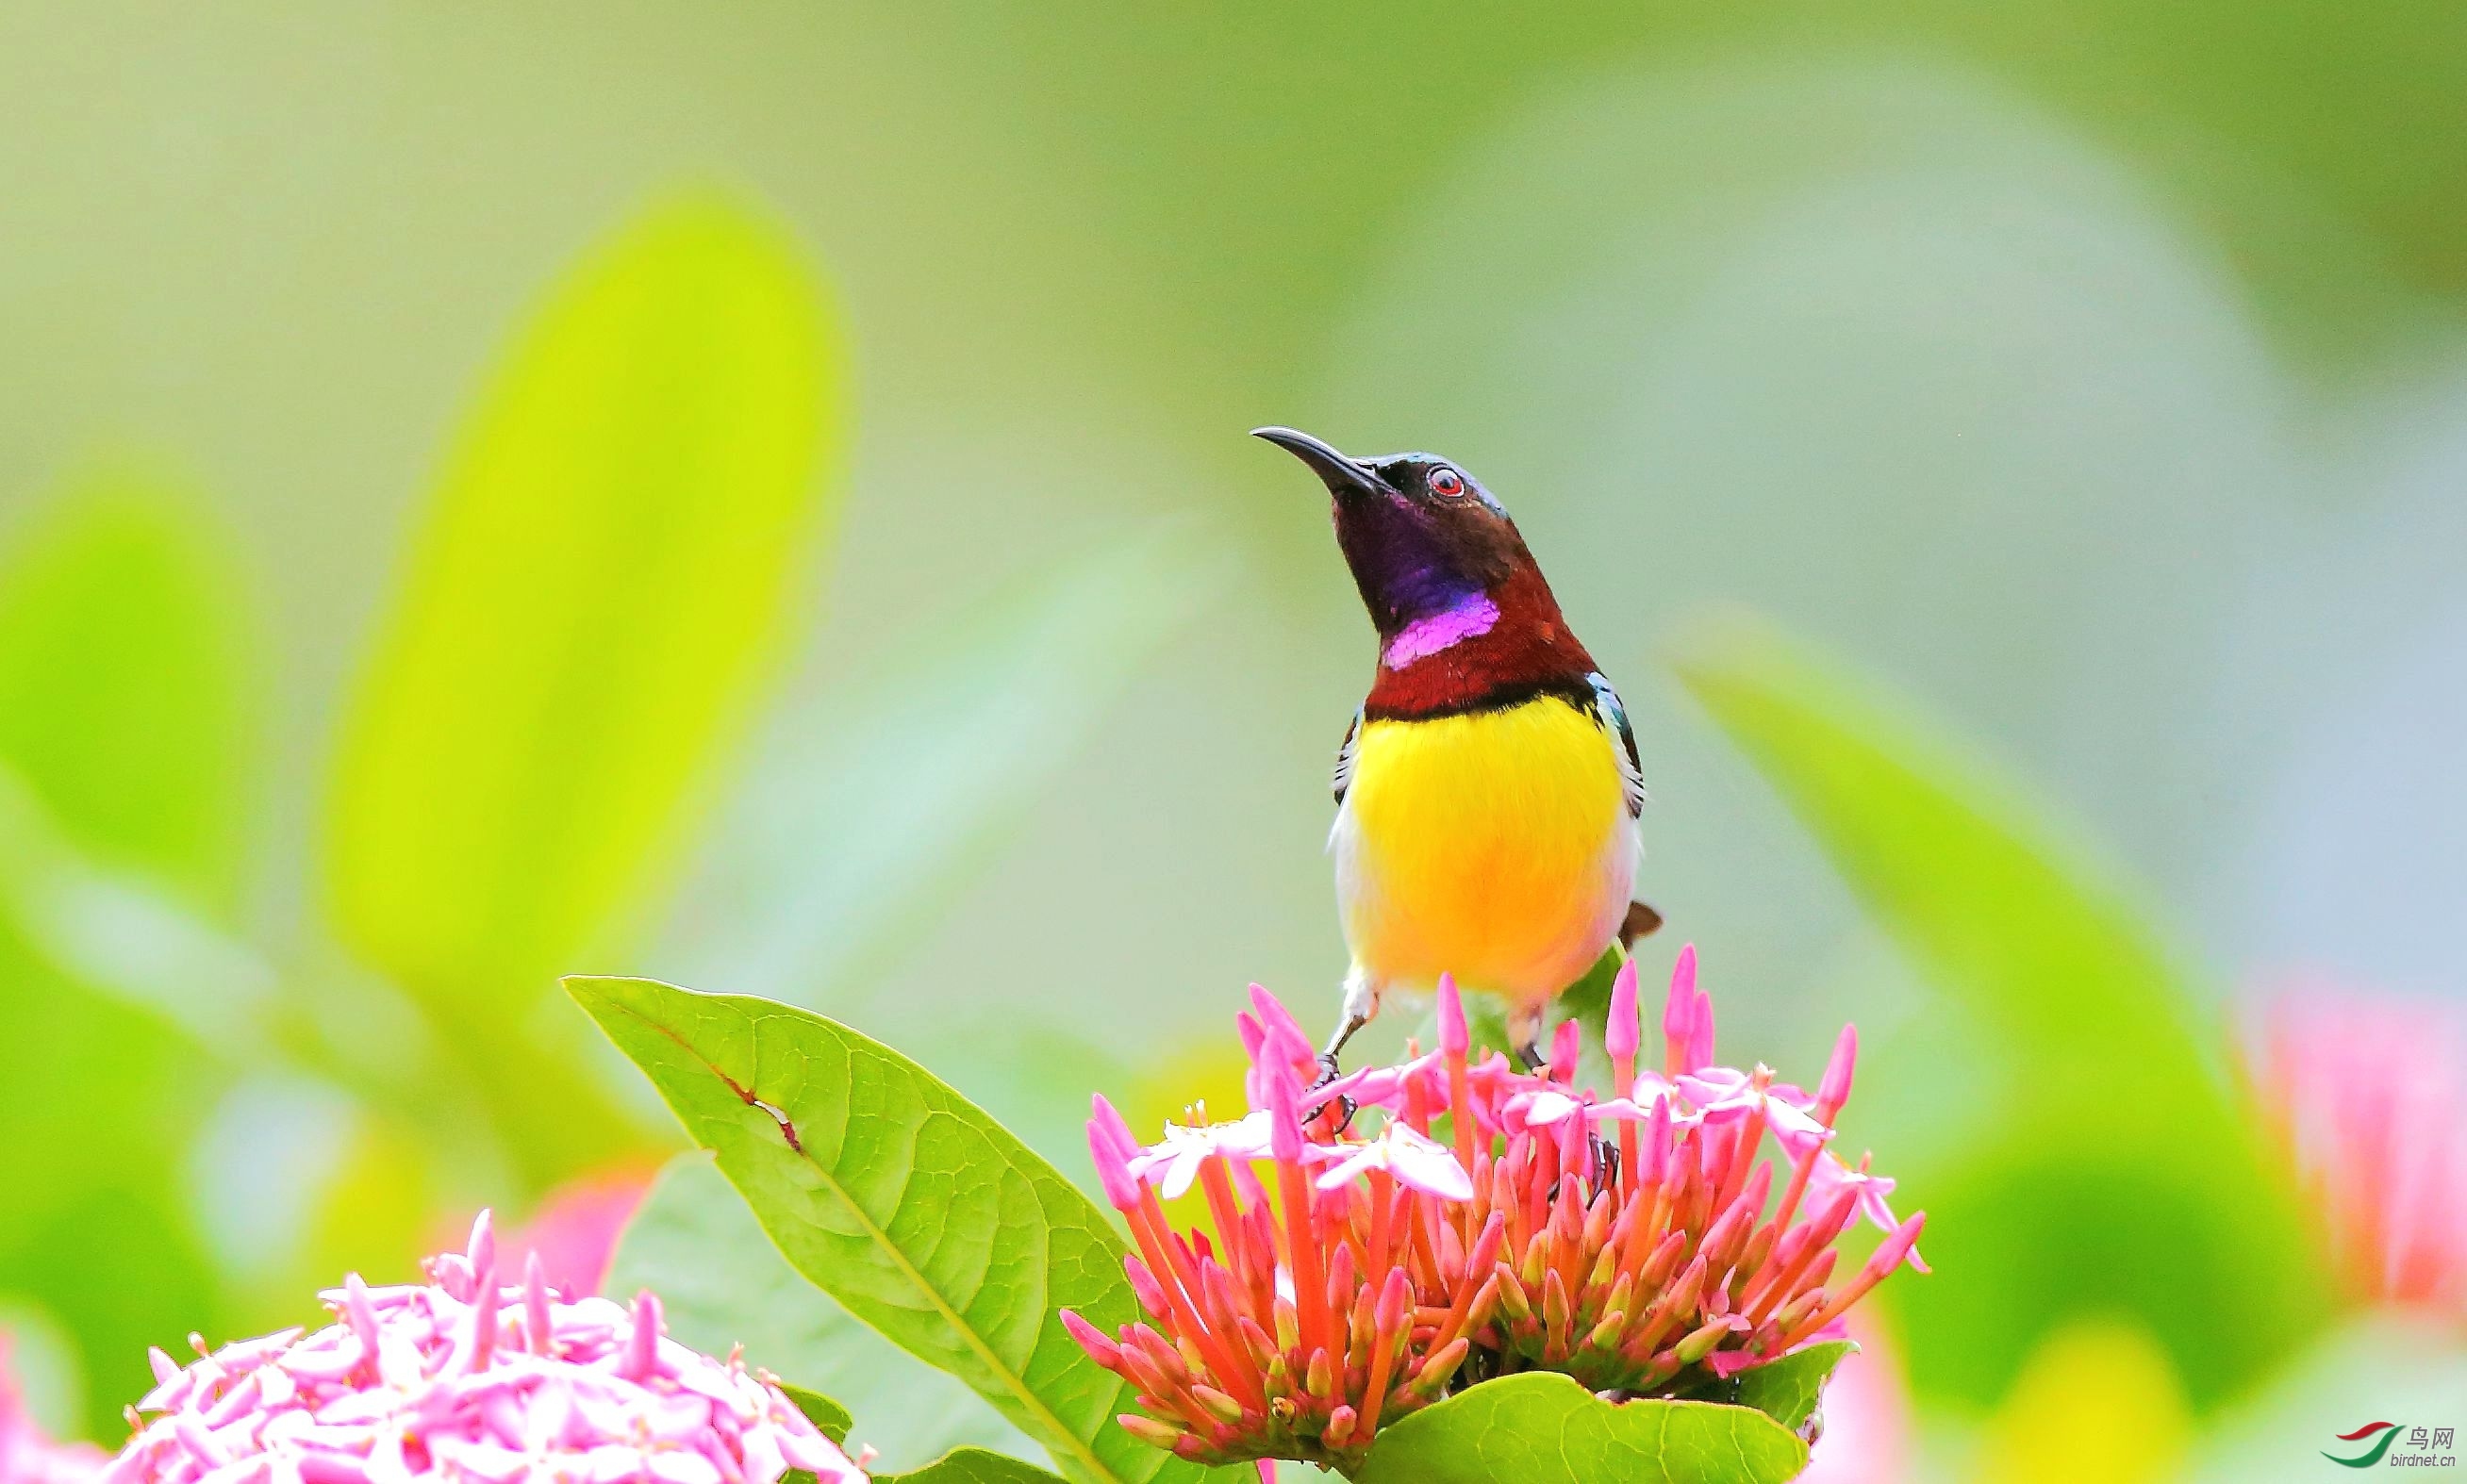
{"points": [[757, 497]]}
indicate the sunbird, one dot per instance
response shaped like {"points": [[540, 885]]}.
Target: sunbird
{"points": [[1489, 790]]}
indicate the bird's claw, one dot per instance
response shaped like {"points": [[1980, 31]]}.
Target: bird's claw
{"points": [[1345, 1107], [1606, 1159]]}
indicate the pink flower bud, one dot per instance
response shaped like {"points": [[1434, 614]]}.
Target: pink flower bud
{"points": [[1700, 1045], [641, 1358], [1901, 1244], [482, 1253], [1679, 1012], [1395, 1301], [537, 1325], [1117, 1132], [1567, 1043], [1275, 1017], [1621, 1032], [1104, 1351], [1835, 1089], [1453, 1040], [1656, 1162], [1144, 1286], [1285, 1116], [1106, 1136]]}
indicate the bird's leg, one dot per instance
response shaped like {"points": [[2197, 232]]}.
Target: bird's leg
{"points": [[1361, 1004], [1640, 922], [1329, 1066]]}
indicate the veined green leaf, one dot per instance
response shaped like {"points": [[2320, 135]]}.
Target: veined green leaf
{"points": [[2121, 1176], [904, 1202], [1540, 1427], [820, 1410], [972, 1465], [722, 1283], [858, 813], [1788, 1389], [595, 591]]}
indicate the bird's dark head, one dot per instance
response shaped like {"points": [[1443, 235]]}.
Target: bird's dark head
{"points": [[1424, 539]]}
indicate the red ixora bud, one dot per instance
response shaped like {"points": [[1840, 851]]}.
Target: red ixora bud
{"points": [[1358, 1271]]}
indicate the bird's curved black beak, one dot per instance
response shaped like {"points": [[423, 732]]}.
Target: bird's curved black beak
{"points": [[1341, 475]]}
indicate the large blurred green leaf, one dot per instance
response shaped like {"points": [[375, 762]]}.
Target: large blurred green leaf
{"points": [[2382, 1365], [121, 931], [597, 585], [904, 1202], [861, 813], [2116, 1174], [123, 738], [1540, 1427], [721, 1282], [125, 701]]}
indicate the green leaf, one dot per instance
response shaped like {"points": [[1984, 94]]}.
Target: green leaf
{"points": [[125, 700], [2113, 1171], [901, 1200], [125, 933], [1540, 1427], [123, 734], [2385, 1364], [721, 1283], [820, 1410], [1588, 1001], [1788, 1389], [971, 1466], [871, 803], [599, 579]]}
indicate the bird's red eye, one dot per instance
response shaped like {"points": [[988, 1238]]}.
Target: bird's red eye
{"points": [[1447, 481]]}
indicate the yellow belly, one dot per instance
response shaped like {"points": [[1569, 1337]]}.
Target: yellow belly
{"points": [[1495, 846]]}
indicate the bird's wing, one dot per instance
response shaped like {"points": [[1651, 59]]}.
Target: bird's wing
{"points": [[1612, 715], [1344, 778]]}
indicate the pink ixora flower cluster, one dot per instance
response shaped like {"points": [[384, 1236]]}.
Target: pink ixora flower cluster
{"points": [[2365, 1096], [28, 1455], [1403, 1232], [463, 1381]]}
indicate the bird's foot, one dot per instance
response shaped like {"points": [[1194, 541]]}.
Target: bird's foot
{"points": [[1606, 1161], [1530, 1055], [1345, 1107]]}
